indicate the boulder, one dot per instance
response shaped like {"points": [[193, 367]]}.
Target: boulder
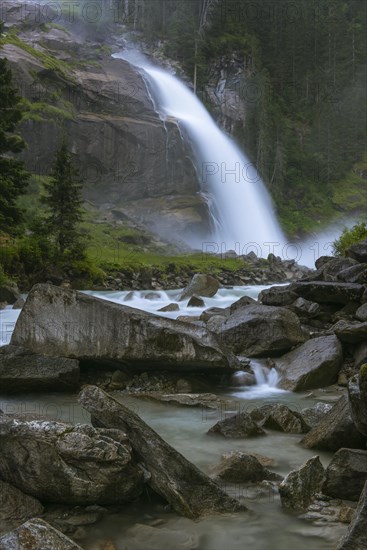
{"points": [[354, 274], [171, 475], [36, 534], [16, 507], [335, 430], [239, 304], [329, 292], [62, 463], [201, 285], [356, 537], [304, 308], [239, 426], [357, 391], [361, 313], [214, 312], [240, 467], [24, 371], [350, 332], [205, 400], [9, 294], [299, 487], [277, 296], [276, 416], [314, 364], [258, 331], [334, 267], [322, 260], [313, 415], [61, 322], [170, 307], [19, 303], [195, 301], [346, 474], [358, 251]]}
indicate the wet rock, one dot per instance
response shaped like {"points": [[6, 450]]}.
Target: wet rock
{"points": [[170, 307], [239, 304], [239, 426], [357, 391], [215, 323], [361, 313], [356, 537], [258, 331], [358, 251], [119, 380], [299, 487], [346, 474], [243, 378], [16, 507], [241, 467], [329, 292], [24, 371], [313, 415], [315, 364], [195, 301], [335, 430], [349, 332], [208, 400], [129, 296], [201, 285], [58, 462], [277, 296], [172, 475], [9, 294], [153, 296], [67, 323], [279, 417], [36, 534], [19, 303], [322, 260]]}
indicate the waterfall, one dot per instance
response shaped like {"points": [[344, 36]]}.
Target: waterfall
{"points": [[241, 209]]}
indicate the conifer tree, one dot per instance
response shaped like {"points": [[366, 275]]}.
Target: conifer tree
{"points": [[13, 177]]}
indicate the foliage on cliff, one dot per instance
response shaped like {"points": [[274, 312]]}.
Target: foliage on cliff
{"points": [[350, 236]]}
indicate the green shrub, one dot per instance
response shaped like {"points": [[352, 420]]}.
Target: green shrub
{"points": [[349, 236]]}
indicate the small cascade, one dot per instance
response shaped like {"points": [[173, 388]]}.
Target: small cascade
{"points": [[266, 381]]}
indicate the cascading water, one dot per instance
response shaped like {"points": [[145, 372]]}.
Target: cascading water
{"points": [[241, 210], [266, 381]]}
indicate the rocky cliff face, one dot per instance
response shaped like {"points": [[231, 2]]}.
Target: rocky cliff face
{"points": [[126, 153]]}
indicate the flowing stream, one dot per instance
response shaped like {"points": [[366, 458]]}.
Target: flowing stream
{"points": [[147, 524]]}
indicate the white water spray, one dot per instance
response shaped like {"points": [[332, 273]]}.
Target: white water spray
{"points": [[241, 210]]}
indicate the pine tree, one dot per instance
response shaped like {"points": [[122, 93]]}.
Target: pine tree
{"points": [[13, 176], [63, 199]]}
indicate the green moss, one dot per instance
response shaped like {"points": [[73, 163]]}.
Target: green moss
{"points": [[363, 372], [39, 111]]}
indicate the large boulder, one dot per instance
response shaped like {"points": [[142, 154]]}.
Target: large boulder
{"points": [[239, 426], [189, 491], [329, 292], [357, 391], [335, 430], [358, 251], [36, 534], [66, 323], [240, 467], [356, 537], [24, 371], [313, 365], [346, 474], [354, 274], [299, 487], [334, 267], [361, 313], [200, 285], [59, 462], [16, 507], [313, 415], [258, 331]]}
